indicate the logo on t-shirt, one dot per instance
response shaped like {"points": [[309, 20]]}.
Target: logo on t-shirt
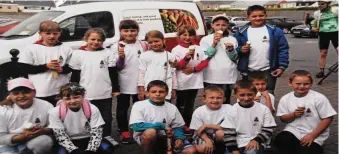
{"points": [[197, 56], [256, 121], [61, 60], [102, 64], [139, 53], [264, 39], [309, 112], [165, 66], [87, 127]]}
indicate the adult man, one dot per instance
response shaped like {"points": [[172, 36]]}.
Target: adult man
{"points": [[327, 25]]}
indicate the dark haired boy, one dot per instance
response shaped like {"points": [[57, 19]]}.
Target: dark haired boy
{"points": [[262, 47]]}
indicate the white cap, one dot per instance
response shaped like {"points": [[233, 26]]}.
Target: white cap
{"points": [[191, 47]]}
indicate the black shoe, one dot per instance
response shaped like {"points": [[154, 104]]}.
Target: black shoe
{"points": [[320, 75]]}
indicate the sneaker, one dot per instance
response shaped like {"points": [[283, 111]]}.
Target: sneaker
{"points": [[112, 141], [320, 74], [126, 138]]}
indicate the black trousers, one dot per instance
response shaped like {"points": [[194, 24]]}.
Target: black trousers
{"points": [[185, 103], [271, 81], [287, 143], [227, 88], [105, 108], [123, 103], [51, 99]]}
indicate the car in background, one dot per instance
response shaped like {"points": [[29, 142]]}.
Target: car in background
{"points": [[286, 26], [208, 21], [6, 24], [239, 21], [303, 30]]}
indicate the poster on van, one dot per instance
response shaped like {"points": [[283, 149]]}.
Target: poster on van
{"points": [[172, 19]]}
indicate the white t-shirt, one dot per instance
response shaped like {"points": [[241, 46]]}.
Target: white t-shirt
{"points": [[128, 76], [203, 115], [221, 69], [76, 124], [260, 46], [157, 67], [94, 76], [145, 111], [248, 122], [317, 107], [263, 100], [37, 54], [194, 80], [12, 119]]}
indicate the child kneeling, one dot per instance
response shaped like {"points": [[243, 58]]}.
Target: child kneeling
{"points": [[154, 119], [206, 121], [77, 124]]}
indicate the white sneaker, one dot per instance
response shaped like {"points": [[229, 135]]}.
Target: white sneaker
{"points": [[111, 140]]}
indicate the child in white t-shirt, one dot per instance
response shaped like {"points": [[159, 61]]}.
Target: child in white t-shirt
{"points": [[308, 115], [46, 62], [259, 80], [94, 69], [156, 64], [252, 121], [127, 52], [77, 124], [155, 119], [222, 66], [206, 120], [191, 61], [23, 120]]}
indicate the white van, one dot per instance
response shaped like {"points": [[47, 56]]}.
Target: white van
{"points": [[75, 20]]}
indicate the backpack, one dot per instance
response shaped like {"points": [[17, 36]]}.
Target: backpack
{"points": [[144, 45], [86, 108]]}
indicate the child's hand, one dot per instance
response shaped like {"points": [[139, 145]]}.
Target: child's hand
{"points": [[53, 65], [173, 64], [141, 96], [169, 131], [178, 144], [188, 70], [245, 48], [307, 140], [252, 145], [27, 134], [174, 94], [208, 147], [216, 40], [257, 99], [277, 73], [189, 54], [121, 52], [265, 94], [116, 94], [315, 29], [229, 47], [299, 112], [200, 130]]}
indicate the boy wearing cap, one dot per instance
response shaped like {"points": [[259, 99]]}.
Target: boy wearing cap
{"points": [[220, 49], [262, 47], [23, 120]]}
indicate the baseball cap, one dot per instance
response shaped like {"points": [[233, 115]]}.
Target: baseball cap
{"points": [[220, 16], [19, 82]]}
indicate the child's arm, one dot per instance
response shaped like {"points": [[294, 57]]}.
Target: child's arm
{"points": [[33, 69], [268, 101], [141, 84], [268, 126], [323, 125], [174, 85], [75, 77], [240, 46], [63, 139], [182, 63], [230, 140], [113, 74], [231, 51], [96, 137], [283, 50]]}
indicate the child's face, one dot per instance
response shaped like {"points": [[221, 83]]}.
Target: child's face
{"points": [[50, 38], [259, 84], [23, 97], [156, 44], [129, 34], [245, 96], [74, 101], [220, 25], [186, 38], [257, 18], [94, 41], [214, 99], [157, 94], [301, 85]]}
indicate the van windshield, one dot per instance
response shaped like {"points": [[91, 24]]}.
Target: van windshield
{"points": [[30, 26]]}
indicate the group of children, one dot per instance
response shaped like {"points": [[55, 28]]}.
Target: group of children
{"points": [[150, 76]]}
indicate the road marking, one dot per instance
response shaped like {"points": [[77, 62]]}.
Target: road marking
{"points": [[307, 42]]}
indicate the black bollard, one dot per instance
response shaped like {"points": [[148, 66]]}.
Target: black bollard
{"points": [[10, 70]]}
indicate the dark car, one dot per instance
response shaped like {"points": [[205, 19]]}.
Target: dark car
{"points": [[286, 26], [303, 30], [208, 21]]}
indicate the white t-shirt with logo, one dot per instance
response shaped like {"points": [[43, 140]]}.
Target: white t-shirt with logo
{"points": [[194, 80], [221, 69], [248, 122], [260, 46], [317, 107], [156, 66], [94, 76], [145, 111], [203, 115], [128, 76], [37, 54], [13, 119], [76, 124]]}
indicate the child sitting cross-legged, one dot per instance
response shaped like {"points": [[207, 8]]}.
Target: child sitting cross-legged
{"points": [[155, 119], [77, 124]]}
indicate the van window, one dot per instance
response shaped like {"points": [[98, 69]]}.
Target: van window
{"points": [[164, 20], [31, 25], [74, 28]]}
